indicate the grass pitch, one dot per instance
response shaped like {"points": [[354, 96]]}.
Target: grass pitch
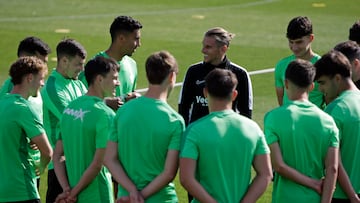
{"points": [[178, 26]]}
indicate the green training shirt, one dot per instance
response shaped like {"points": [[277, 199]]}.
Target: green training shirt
{"points": [[57, 93], [127, 74], [17, 172], [37, 105], [145, 129], [315, 95], [304, 133], [346, 112], [224, 145], [84, 127]]}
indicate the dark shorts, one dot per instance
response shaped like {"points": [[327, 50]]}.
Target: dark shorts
{"points": [[336, 200], [54, 187]]}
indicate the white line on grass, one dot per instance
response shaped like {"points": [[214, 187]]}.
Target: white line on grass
{"points": [[269, 70], [142, 13]]}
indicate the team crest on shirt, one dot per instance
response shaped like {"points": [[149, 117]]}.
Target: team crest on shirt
{"points": [[77, 114]]}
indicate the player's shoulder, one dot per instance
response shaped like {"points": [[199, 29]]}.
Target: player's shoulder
{"points": [[195, 67], [276, 112], [236, 68], [285, 61], [128, 59]]}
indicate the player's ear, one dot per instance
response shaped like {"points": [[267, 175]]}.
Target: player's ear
{"points": [[172, 77], [338, 78], [234, 95], [205, 92], [311, 87], [224, 48], [28, 78], [312, 37], [286, 83]]}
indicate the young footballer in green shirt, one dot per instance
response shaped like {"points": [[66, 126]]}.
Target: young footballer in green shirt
{"points": [[20, 126], [333, 73], [84, 129], [303, 141], [60, 89], [31, 46], [221, 148], [143, 148], [300, 36], [352, 51], [125, 39]]}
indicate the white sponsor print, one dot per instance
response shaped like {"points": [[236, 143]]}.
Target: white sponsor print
{"points": [[201, 100], [78, 114]]}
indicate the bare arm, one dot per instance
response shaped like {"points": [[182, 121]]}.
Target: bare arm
{"points": [[112, 162], [286, 171], [45, 149], [345, 183], [168, 175], [113, 102], [262, 166], [188, 181], [59, 166], [280, 95], [331, 167], [90, 173]]}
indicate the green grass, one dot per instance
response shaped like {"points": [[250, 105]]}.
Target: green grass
{"points": [[259, 26]]}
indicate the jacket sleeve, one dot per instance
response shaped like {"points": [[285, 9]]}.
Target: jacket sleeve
{"points": [[244, 102], [186, 98]]}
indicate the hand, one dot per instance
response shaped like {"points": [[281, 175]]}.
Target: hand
{"points": [[136, 197], [318, 185], [38, 168], [114, 102], [355, 199], [33, 146], [65, 197], [62, 197], [132, 95], [124, 199]]}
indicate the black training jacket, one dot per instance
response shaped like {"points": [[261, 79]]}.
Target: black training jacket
{"points": [[192, 103]]}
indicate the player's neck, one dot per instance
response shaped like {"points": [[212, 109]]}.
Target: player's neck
{"points": [[21, 90], [95, 92], [347, 84], [219, 105], [298, 96], [114, 53], [308, 55], [157, 92]]}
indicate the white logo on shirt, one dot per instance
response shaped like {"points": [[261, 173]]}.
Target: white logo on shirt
{"points": [[201, 100], [199, 82], [76, 113]]}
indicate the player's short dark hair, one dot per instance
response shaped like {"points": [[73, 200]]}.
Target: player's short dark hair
{"points": [[220, 83], [299, 27], [123, 24], [70, 48], [159, 65], [32, 45], [332, 63], [300, 72], [350, 49], [99, 66], [24, 66], [354, 32]]}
